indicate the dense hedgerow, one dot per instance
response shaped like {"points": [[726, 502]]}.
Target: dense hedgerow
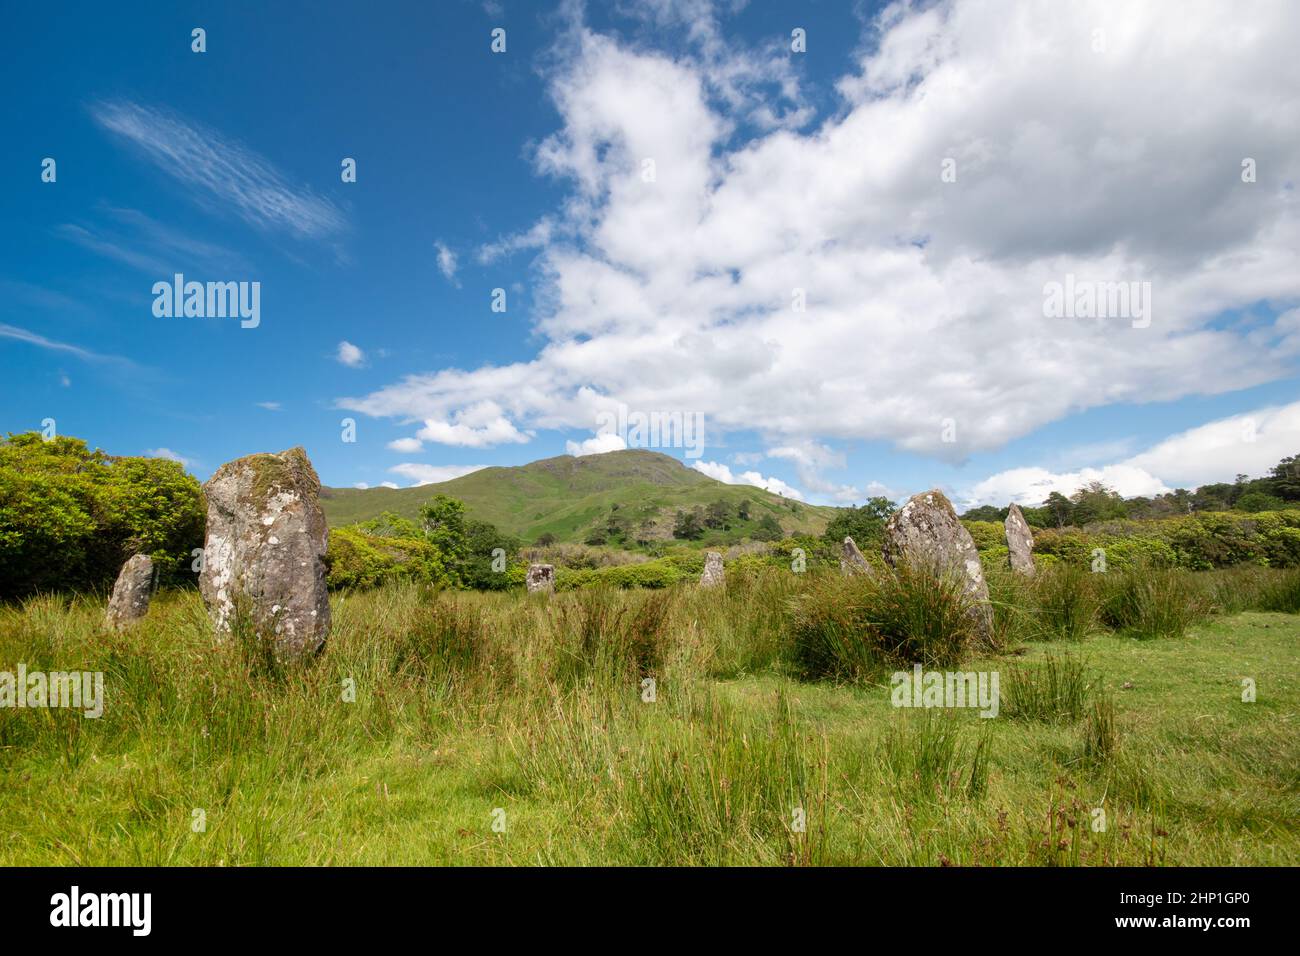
{"points": [[1197, 542]]}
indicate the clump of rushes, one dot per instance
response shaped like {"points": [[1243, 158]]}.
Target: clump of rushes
{"points": [[850, 628], [1055, 688], [1100, 738], [1065, 603], [1152, 602]]}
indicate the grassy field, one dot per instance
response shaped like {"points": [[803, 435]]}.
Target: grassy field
{"points": [[568, 496], [502, 729]]}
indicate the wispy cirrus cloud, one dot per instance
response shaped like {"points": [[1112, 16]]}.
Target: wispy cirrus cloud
{"points": [[221, 169], [40, 341], [134, 239]]}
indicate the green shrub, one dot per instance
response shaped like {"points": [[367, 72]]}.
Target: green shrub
{"points": [[356, 559], [987, 534], [660, 573], [69, 516]]}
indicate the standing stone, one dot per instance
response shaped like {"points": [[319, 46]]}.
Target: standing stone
{"points": [[264, 556], [1020, 542], [852, 561], [926, 533], [131, 593], [713, 575], [541, 577]]}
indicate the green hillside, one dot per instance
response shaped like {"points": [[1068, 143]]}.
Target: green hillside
{"points": [[568, 497]]}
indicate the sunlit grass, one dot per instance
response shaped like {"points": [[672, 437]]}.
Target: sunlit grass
{"points": [[539, 716]]}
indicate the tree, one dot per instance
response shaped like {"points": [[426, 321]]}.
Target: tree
{"points": [[69, 516], [1256, 501], [443, 521], [769, 529], [687, 525], [1059, 507], [986, 513], [1096, 502], [1286, 478], [717, 514], [486, 552], [465, 546], [864, 524], [743, 511]]}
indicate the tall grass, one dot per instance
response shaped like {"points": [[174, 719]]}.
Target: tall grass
{"points": [[430, 710], [1065, 602], [1152, 602], [852, 627], [1057, 687]]}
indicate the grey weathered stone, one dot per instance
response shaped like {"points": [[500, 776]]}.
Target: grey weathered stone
{"points": [[926, 533], [541, 577], [1020, 542], [713, 573], [264, 555], [131, 593], [851, 559]]}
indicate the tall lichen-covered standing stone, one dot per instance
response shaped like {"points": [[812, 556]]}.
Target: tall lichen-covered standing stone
{"points": [[131, 593], [926, 533], [264, 556], [713, 574], [1020, 542]]}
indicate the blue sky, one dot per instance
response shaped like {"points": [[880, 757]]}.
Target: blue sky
{"points": [[922, 357]]}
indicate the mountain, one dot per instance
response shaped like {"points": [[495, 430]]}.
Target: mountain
{"points": [[569, 497]]}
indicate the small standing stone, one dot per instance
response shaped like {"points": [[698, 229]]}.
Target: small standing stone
{"points": [[713, 574], [541, 577], [1020, 542], [851, 559], [131, 593]]}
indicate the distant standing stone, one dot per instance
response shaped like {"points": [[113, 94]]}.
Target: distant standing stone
{"points": [[541, 577], [265, 551], [926, 532], [713, 574], [131, 593], [1020, 542], [851, 559]]}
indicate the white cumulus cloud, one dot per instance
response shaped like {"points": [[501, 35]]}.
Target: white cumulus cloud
{"points": [[419, 474], [596, 445], [721, 472], [349, 355], [821, 282], [1248, 444]]}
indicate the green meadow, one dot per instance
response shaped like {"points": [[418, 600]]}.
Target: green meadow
{"points": [[747, 725]]}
